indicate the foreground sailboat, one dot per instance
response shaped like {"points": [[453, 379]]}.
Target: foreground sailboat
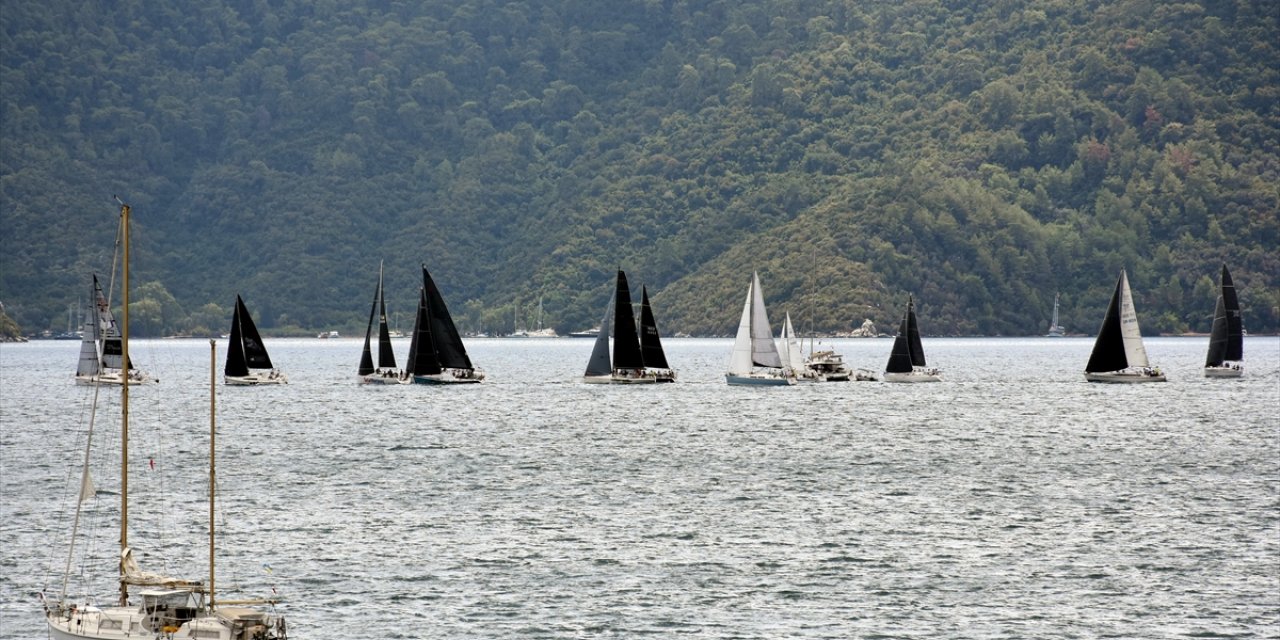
{"points": [[247, 359], [1055, 330], [386, 372], [1226, 340], [436, 352], [170, 608], [101, 357], [755, 360], [638, 357], [1118, 354], [906, 361]]}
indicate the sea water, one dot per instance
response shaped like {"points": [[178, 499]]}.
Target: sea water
{"points": [[1012, 500]]}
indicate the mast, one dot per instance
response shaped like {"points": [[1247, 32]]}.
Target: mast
{"points": [[213, 437], [124, 403]]}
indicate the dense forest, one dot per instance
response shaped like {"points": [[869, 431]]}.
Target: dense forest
{"points": [[980, 155]]}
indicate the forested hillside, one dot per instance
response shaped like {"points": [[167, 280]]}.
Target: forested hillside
{"points": [[979, 155]]}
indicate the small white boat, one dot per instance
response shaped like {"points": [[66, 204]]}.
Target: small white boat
{"points": [[755, 360], [1226, 340], [1118, 355], [247, 361], [906, 361], [1055, 330]]}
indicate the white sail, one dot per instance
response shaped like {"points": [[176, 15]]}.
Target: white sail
{"points": [[90, 360], [791, 351], [764, 352], [1134, 352], [740, 360]]}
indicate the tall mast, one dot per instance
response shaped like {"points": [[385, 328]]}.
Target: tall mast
{"points": [[213, 437], [124, 402]]}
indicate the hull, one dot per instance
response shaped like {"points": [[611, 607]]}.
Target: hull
{"points": [[384, 376], [254, 379], [1125, 376], [648, 377], [913, 376], [759, 380], [114, 377], [451, 376], [1225, 371]]}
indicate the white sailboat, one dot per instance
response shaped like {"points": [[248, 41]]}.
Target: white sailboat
{"points": [[638, 357], [1118, 354], [102, 360], [1055, 330], [247, 361], [755, 360], [165, 607], [906, 361], [1225, 358]]}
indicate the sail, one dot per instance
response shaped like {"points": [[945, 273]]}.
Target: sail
{"points": [[599, 364], [108, 332], [1134, 352], [386, 356], [366, 356], [650, 342], [1235, 323], [913, 336], [449, 350], [740, 359], [791, 351], [422, 360], [90, 361], [764, 352], [245, 350], [1111, 350], [900, 357], [1218, 336], [626, 344]]}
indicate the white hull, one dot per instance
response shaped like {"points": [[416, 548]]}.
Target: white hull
{"points": [[648, 377], [1227, 371], [450, 376], [1126, 376], [120, 623], [919, 375], [385, 377], [759, 379], [253, 379], [115, 377]]}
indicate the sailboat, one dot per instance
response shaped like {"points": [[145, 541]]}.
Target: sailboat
{"points": [[541, 331], [1118, 354], [1055, 330], [755, 359], [1226, 340], [791, 353], [436, 352], [102, 359], [638, 357], [170, 608], [247, 359], [386, 372], [906, 361]]}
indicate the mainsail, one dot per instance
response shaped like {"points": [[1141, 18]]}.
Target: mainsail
{"points": [[913, 335], [626, 345], [650, 342], [900, 356]]}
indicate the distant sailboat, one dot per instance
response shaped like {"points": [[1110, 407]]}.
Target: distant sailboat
{"points": [[436, 352], [101, 354], [755, 360], [638, 357], [1118, 354], [1055, 330], [386, 372], [1226, 341], [247, 361], [906, 361]]}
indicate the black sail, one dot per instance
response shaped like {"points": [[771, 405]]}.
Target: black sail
{"points": [[422, 356], [1218, 336], [913, 336], [366, 357], [599, 364], [386, 356], [900, 357], [650, 342], [449, 350], [626, 345], [1108, 350], [1235, 323]]}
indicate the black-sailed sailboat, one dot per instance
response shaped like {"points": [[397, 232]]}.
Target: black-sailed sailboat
{"points": [[436, 352], [1118, 354], [385, 372], [638, 357], [247, 361], [1226, 340], [906, 361]]}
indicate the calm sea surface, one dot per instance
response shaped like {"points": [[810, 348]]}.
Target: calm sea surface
{"points": [[1013, 500]]}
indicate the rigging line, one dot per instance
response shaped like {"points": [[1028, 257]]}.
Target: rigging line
{"points": [[80, 498]]}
